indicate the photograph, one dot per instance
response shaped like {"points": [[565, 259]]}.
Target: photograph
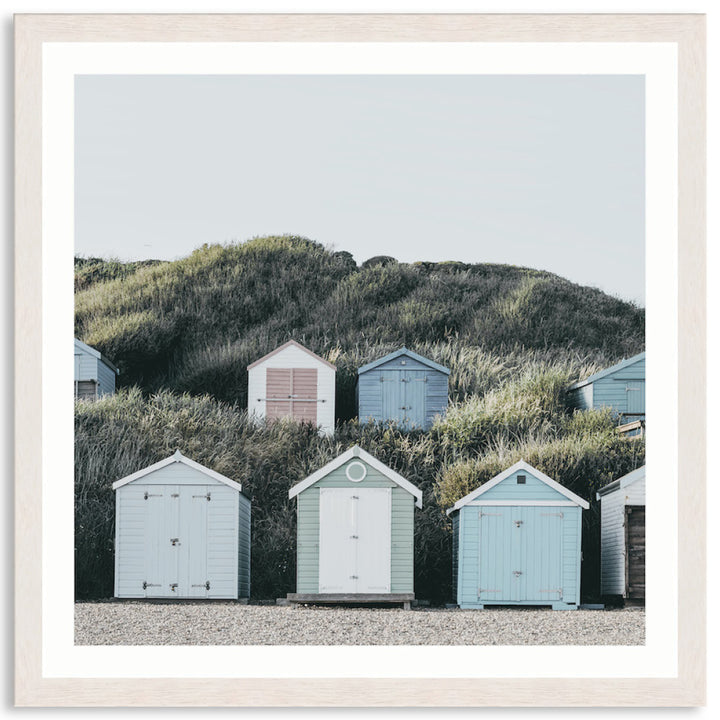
{"points": [[359, 359], [360, 306]]}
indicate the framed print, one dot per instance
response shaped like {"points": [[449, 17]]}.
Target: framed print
{"points": [[361, 308]]}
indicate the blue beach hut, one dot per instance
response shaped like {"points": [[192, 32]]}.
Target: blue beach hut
{"points": [[620, 387], [517, 541], [403, 387]]}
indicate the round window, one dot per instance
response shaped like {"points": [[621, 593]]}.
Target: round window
{"points": [[356, 471]]}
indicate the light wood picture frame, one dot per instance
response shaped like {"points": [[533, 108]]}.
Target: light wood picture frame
{"points": [[687, 33]]}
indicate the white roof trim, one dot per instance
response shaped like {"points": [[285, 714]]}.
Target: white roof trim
{"points": [[178, 457], [520, 465], [627, 362], [622, 482], [358, 452], [95, 353], [90, 350]]}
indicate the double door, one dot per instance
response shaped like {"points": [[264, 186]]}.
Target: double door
{"points": [[355, 541], [176, 540], [403, 397], [520, 554]]}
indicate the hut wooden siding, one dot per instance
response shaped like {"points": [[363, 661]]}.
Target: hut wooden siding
{"points": [[292, 381], [517, 541], [181, 531], [94, 373], [622, 536], [380, 543], [620, 387], [403, 387]]}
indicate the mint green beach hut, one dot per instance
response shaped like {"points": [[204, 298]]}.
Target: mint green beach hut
{"points": [[517, 541], [355, 526]]}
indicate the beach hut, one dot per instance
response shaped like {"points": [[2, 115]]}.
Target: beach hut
{"points": [[622, 537], [181, 531], [620, 387], [516, 541], [355, 524], [402, 386], [294, 382], [94, 373]]}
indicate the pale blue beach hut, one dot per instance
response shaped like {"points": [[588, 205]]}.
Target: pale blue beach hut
{"points": [[403, 387], [517, 541]]}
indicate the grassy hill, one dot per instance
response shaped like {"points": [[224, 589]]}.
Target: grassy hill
{"points": [[184, 332]]}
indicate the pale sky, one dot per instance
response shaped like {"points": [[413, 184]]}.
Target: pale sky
{"points": [[540, 171]]}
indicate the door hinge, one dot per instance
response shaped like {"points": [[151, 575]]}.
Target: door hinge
{"points": [[206, 585], [146, 585], [148, 495], [553, 590], [484, 514], [353, 537], [354, 577], [355, 497], [485, 590], [206, 496], [175, 495], [552, 515]]}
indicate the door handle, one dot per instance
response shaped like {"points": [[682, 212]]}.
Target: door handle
{"points": [[175, 541], [517, 573]]}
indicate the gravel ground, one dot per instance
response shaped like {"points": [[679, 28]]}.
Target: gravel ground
{"points": [[229, 623]]}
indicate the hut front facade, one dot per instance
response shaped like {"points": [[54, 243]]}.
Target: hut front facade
{"points": [[517, 541], [181, 531], [620, 387], [94, 373], [403, 387], [355, 526], [293, 382], [622, 537]]}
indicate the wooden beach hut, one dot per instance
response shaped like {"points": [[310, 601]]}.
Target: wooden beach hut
{"points": [[291, 381], [622, 537], [182, 530], [403, 387], [517, 541], [620, 387], [355, 525], [94, 373]]}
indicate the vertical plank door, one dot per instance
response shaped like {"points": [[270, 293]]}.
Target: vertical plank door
{"points": [[494, 556], [413, 395], [193, 541], [391, 394], [635, 552], [338, 548], [161, 527], [373, 540], [304, 401], [278, 391]]}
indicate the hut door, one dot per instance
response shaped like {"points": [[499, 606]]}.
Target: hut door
{"points": [[373, 540], [390, 383], [355, 545], [495, 550], [292, 392], [520, 554], [540, 553], [192, 572], [413, 391], [161, 524], [635, 390], [635, 552]]}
